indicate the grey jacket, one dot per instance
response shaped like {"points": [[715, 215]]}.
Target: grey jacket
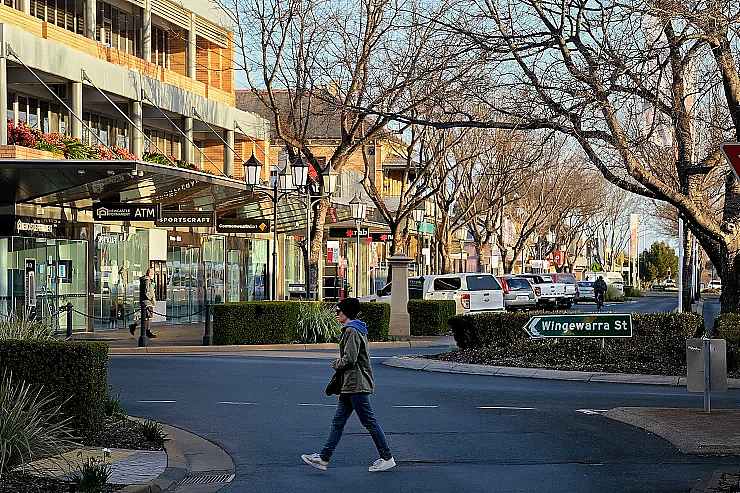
{"points": [[354, 361], [146, 290]]}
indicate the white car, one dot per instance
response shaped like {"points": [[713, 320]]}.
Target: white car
{"points": [[670, 283], [473, 292], [715, 284], [417, 290]]}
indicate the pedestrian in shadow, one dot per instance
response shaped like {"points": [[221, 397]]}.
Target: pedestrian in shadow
{"points": [[357, 385], [147, 295]]}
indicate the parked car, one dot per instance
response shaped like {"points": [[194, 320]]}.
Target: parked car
{"points": [[549, 293], [417, 290], [669, 283], [715, 284], [518, 293], [571, 287], [586, 291], [612, 279], [472, 292]]}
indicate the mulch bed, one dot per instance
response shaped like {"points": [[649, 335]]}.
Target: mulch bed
{"points": [[116, 433]]}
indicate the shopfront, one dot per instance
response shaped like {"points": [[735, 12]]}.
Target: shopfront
{"points": [[43, 266]]}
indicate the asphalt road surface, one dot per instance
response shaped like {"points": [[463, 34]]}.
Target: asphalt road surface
{"points": [[448, 433], [652, 302]]}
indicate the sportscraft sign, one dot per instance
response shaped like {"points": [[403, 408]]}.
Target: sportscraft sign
{"points": [[587, 325]]}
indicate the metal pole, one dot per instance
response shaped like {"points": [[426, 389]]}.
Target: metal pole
{"points": [[69, 320], [707, 403], [308, 247], [275, 199], [208, 336], [357, 265], [142, 334], [680, 265]]}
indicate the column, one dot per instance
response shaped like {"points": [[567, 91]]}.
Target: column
{"points": [[187, 147], [190, 50], [146, 31], [76, 106], [228, 153], [400, 323], [90, 18], [3, 101], [136, 136], [25, 6]]}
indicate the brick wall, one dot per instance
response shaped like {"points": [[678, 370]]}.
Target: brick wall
{"points": [[18, 152], [178, 51]]}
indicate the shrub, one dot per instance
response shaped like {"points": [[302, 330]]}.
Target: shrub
{"points": [[73, 370], [255, 322], [377, 316], [32, 425], [632, 292], [113, 404], [12, 327], [727, 327], [317, 323], [153, 432], [21, 135], [92, 476], [430, 317], [655, 336], [613, 294]]}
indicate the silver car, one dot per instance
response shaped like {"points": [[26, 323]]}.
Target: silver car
{"points": [[586, 291], [518, 293]]}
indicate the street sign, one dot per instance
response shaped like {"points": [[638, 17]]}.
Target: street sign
{"points": [[731, 150], [587, 325]]}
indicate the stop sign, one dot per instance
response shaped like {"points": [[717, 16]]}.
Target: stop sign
{"points": [[731, 151]]}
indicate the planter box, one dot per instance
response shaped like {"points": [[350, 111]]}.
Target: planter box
{"points": [[19, 152]]}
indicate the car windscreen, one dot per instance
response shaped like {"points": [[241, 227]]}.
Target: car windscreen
{"points": [[567, 278], [516, 284], [480, 283]]}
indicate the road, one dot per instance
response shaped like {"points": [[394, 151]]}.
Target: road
{"points": [[448, 432], [652, 302]]}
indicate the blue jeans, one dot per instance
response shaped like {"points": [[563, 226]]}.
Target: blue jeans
{"points": [[360, 403]]}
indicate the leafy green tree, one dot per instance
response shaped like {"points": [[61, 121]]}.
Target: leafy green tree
{"points": [[654, 263]]}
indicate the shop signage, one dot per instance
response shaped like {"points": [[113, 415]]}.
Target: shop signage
{"points": [[64, 271], [381, 237], [242, 225], [33, 227], [198, 219], [347, 232], [125, 212]]}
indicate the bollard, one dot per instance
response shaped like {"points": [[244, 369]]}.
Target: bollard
{"points": [[142, 334], [69, 320], [208, 337]]}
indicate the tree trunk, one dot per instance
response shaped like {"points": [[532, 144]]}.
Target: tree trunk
{"points": [[317, 245], [479, 257], [686, 269], [730, 275], [444, 247]]}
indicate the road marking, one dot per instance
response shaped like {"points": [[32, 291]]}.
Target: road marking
{"points": [[319, 405], [591, 411], [510, 407], [237, 403], [158, 402], [417, 406]]}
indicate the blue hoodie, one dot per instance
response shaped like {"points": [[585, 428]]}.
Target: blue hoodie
{"points": [[359, 325]]}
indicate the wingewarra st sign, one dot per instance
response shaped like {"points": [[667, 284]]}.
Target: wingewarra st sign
{"points": [[586, 325]]}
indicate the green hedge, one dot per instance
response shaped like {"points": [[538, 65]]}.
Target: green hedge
{"points": [[727, 327], [377, 316], [655, 336], [276, 322], [75, 370], [255, 322], [430, 317]]}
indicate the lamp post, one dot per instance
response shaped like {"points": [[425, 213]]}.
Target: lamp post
{"points": [[461, 234], [418, 215], [359, 209], [329, 179], [285, 184]]}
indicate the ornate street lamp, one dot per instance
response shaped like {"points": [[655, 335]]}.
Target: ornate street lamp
{"points": [[252, 171], [418, 215], [299, 172]]}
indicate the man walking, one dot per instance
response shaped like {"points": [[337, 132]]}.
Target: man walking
{"points": [[357, 385], [147, 295]]}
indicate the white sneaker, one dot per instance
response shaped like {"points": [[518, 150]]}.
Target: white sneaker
{"points": [[382, 465], [316, 461]]}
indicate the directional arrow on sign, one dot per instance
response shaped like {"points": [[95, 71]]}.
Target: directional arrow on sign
{"points": [[731, 151]]}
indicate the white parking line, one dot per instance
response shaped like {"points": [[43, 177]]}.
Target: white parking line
{"points": [[158, 402], [510, 407], [319, 405], [237, 403], [416, 406], [591, 411]]}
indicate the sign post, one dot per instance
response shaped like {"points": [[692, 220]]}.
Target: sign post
{"points": [[731, 150], [30, 298], [574, 326], [706, 367]]}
